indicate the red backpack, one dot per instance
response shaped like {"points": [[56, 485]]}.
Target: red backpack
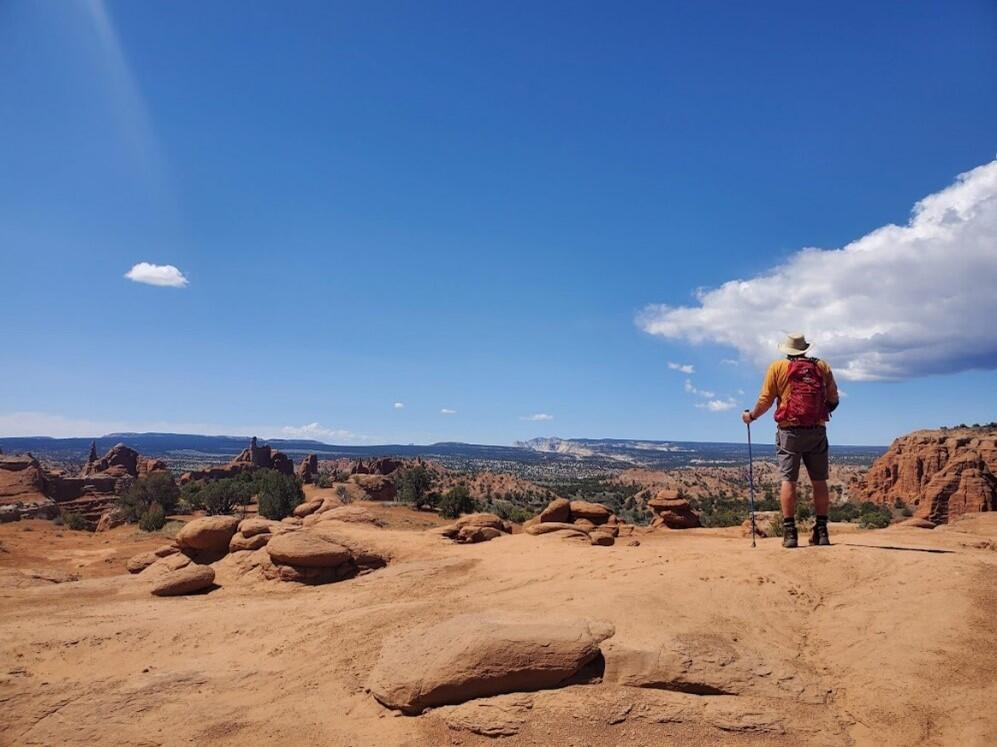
{"points": [[807, 401]]}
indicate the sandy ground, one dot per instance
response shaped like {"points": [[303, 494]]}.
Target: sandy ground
{"points": [[886, 638]]}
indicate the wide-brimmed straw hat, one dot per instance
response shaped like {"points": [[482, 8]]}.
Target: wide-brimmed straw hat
{"points": [[795, 344]]}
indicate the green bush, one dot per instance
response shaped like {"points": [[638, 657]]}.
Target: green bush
{"points": [[153, 519], [277, 494], [156, 487], [843, 512], [873, 516], [74, 521], [455, 502], [415, 486], [803, 512], [775, 526], [223, 496], [190, 496], [325, 480]]}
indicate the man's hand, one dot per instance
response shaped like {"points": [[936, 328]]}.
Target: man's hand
{"points": [[746, 416]]}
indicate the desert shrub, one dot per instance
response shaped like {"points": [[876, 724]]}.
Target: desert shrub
{"points": [[455, 502], [277, 494], [803, 512], [775, 526], [223, 496], [874, 517], [190, 496], [344, 495], [74, 521], [153, 519], [325, 480], [414, 486], [156, 487], [843, 512], [511, 512]]}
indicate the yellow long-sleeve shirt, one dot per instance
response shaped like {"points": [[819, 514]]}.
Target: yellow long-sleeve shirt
{"points": [[776, 386]]}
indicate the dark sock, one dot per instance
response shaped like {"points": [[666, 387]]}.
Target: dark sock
{"points": [[790, 522], [822, 520]]}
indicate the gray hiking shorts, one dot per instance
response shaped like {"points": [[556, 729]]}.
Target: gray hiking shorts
{"points": [[808, 445]]}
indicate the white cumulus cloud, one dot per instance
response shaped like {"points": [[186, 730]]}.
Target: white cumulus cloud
{"points": [[718, 405], [686, 368], [537, 417], [447, 411], [318, 432], [691, 389], [150, 274], [900, 302], [399, 405]]}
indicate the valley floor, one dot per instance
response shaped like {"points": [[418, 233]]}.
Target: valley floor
{"points": [[887, 638]]}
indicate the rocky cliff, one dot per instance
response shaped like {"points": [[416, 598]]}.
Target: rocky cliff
{"points": [[941, 474]]}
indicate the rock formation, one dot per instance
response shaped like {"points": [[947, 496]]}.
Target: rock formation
{"points": [[30, 491], [942, 474], [382, 466], [473, 528], [308, 469], [251, 458], [581, 520], [672, 510]]}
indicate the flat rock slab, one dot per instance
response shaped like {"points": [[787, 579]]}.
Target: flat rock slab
{"points": [[480, 655], [185, 580]]}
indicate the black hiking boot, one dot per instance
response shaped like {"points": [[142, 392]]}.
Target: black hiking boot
{"points": [[819, 534], [789, 536]]}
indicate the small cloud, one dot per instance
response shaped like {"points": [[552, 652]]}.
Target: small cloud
{"points": [[842, 393], [730, 362], [717, 405], [538, 417], [686, 368], [447, 411], [162, 275], [704, 393], [318, 432], [399, 405]]}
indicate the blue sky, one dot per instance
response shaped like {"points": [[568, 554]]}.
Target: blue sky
{"points": [[502, 210]]}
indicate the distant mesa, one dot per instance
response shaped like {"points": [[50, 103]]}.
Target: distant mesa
{"points": [[941, 474]]}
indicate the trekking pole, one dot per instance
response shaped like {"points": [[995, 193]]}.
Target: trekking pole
{"points": [[751, 486]]}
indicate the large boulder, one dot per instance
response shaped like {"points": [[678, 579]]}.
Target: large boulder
{"points": [[307, 549], [242, 543], [480, 655], [208, 534], [186, 580], [594, 512], [250, 527], [558, 510], [138, 563]]}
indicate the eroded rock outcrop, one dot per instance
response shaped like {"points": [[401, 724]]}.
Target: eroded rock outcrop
{"points": [[251, 458], [474, 528], [308, 469], [566, 519], [671, 509], [942, 474], [479, 655]]}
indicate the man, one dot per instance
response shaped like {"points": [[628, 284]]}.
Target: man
{"points": [[807, 395]]}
